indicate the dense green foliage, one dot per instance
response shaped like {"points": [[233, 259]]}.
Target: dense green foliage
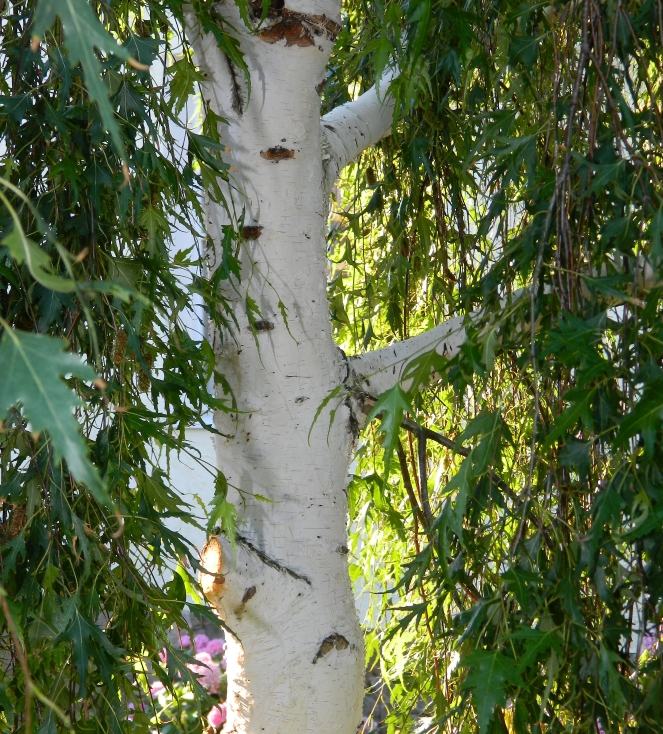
{"points": [[523, 185], [99, 174]]}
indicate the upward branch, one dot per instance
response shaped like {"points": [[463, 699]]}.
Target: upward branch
{"points": [[377, 371], [353, 127]]}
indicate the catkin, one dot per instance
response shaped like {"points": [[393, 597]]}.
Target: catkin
{"points": [[120, 349], [143, 377]]}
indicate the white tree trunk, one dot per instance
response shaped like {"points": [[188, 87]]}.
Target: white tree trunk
{"points": [[297, 663]]}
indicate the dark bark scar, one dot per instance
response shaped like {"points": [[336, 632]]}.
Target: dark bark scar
{"points": [[297, 29], [277, 153], [329, 643], [251, 232], [271, 562], [263, 325], [248, 594]]}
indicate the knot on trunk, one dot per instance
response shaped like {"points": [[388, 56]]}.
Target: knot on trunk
{"points": [[277, 153], [329, 643], [296, 29]]}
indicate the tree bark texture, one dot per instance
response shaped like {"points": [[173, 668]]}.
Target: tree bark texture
{"points": [[296, 660]]}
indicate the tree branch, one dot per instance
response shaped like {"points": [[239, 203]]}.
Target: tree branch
{"points": [[373, 373], [377, 371], [353, 127]]}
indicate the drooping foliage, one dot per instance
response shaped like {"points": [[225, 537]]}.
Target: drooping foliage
{"points": [[522, 189], [105, 155], [515, 552]]}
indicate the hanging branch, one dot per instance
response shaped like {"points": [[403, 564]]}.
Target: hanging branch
{"points": [[423, 478], [407, 482], [426, 433]]}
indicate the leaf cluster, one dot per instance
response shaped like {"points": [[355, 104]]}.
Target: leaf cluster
{"points": [[521, 187], [104, 362]]}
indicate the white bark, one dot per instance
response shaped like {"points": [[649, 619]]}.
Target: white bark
{"points": [[374, 372], [356, 126], [297, 663]]}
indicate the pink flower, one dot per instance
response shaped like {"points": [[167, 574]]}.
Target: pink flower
{"points": [[653, 638], [157, 689], [215, 647], [217, 716], [224, 663], [186, 641], [132, 707], [163, 655], [200, 642], [209, 672]]}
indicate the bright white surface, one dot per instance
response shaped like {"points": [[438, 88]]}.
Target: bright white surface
{"points": [[190, 479]]}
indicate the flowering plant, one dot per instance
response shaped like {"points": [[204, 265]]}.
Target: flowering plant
{"points": [[195, 702]]}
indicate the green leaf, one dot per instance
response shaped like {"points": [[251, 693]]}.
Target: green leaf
{"points": [[655, 230], [577, 454], [15, 107], [24, 250], [83, 34], [6, 705], [87, 640], [32, 366], [222, 512], [200, 146], [490, 343], [567, 420], [183, 82], [284, 316], [490, 672], [611, 681], [390, 407], [524, 50], [460, 483], [536, 642], [155, 224], [645, 418], [418, 371]]}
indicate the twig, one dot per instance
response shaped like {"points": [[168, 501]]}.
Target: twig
{"points": [[423, 478], [411, 426], [418, 515], [407, 482]]}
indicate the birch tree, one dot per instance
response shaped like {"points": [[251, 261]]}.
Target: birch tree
{"points": [[285, 591], [478, 331]]}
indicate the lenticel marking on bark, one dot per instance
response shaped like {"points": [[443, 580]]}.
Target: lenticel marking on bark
{"points": [[277, 153]]}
